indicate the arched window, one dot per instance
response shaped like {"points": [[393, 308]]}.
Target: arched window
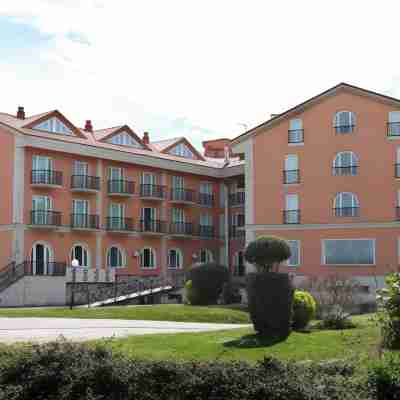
{"points": [[147, 258], [175, 259], [205, 256], [346, 205], [80, 253], [115, 257], [344, 122], [238, 264], [345, 163]]}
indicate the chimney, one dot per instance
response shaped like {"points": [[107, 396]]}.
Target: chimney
{"points": [[146, 138], [21, 113], [88, 126]]}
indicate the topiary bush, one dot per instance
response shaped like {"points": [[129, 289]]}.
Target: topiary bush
{"points": [[207, 283], [270, 294], [304, 309]]}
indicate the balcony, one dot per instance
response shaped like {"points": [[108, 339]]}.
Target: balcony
{"points": [[119, 224], [397, 170], [350, 170], [206, 199], [152, 192], [291, 176], [296, 136], [206, 231], [291, 216], [45, 219], [181, 229], [85, 222], [343, 129], [46, 178], [346, 211], [183, 196], [236, 199], [85, 183], [393, 129], [120, 187], [152, 227]]}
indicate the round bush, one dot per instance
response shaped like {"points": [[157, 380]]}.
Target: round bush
{"points": [[207, 282], [266, 251], [304, 309]]}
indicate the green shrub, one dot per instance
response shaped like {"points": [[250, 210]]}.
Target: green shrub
{"points": [[389, 316], [384, 377], [336, 318], [304, 309], [207, 283], [79, 372], [267, 251]]}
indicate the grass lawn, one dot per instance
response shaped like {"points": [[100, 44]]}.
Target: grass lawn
{"points": [[241, 344], [160, 312]]}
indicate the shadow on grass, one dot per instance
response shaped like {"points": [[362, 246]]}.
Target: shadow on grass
{"points": [[253, 341]]}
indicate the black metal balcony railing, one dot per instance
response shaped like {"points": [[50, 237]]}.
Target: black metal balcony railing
{"points": [[393, 128], [235, 232], [291, 176], [85, 182], [119, 224], [344, 128], [152, 226], [206, 199], [45, 268], [85, 221], [397, 170], [350, 170], [185, 195], [206, 231], [45, 217], [181, 228], [46, 177], [121, 186], [152, 191], [346, 211], [296, 136], [236, 199], [291, 216]]}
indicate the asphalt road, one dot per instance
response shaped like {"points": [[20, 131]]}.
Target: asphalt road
{"points": [[47, 329]]}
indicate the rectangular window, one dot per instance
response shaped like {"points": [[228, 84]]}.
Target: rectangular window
{"points": [[291, 214], [206, 188], [294, 259], [394, 123], [348, 252], [296, 131], [80, 206], [41, 163], [81, 168], [206, 220], [178, 182], [115, 174], [178, 215], [116, 210], [291, 171], [148, 178]]}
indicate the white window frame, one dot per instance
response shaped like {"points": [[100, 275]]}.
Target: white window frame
{"points": [[37, 160], [338, 201], [352, 120], [323, 255], [153, 258], [179, 258], [208, 258], [80, 168], [122, 253], [182, 150], [54, 125], [298, 250]]}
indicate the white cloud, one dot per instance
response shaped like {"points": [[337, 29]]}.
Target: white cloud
{"points": [[213, 63]]}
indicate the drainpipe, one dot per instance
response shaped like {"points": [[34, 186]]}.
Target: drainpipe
{"points": [[226, 225]]}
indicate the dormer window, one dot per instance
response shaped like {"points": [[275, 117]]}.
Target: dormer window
{"points": [[344, 122], [182, 150], [53, 125], [124, 139]]}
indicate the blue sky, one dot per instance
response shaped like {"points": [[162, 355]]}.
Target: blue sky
{"points": [[195, 69]]}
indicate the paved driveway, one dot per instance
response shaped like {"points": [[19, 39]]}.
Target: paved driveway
{"points": [[47, 329]]}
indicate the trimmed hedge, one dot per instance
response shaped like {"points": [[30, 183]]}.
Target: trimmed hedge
{"points": [[304, 309], [207, 283], [62, 371]]}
